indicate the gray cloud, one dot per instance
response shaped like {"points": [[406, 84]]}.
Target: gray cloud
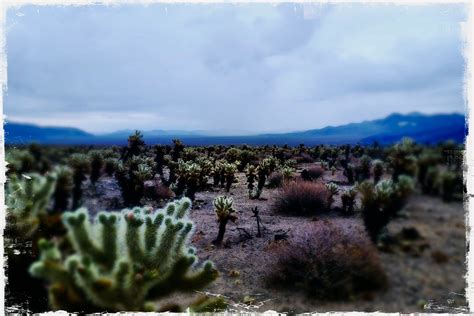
{"points": [[231, 68]]}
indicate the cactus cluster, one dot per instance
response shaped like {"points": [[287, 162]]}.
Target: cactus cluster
{"points": [[123, 261], [27, 199], [131, 176], [382, 202]]}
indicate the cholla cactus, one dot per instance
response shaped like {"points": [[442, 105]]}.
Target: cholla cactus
{"points": [[81, 166], [287, 173], [136, 145], [348, 200], [402, 159], [63, 188], [131, 176], [382, 202], [377, 169], [19, 161], [223, 206], [250, 173], [333, 189], [27, 200], [97, 162], [123, 261], [229, 171], [447, 184], [110, 164]]}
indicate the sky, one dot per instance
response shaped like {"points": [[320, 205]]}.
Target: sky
{"points": [[231, 69]]}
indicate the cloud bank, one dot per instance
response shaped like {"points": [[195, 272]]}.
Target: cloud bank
{"points": [[231, 68]]}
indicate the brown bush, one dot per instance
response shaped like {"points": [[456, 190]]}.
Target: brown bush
{"points": [[313, 173], [302, 198], [275, 179], [327, 262]]}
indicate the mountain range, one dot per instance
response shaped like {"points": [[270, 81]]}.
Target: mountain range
{"points": [[422, 128]]}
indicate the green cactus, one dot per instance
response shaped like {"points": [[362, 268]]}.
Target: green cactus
{"points": [[110, 164], [81, 166], [333, 190], [63, 189], [136, 145], [377, 169], [131, 176], [123, 261], [382, 202], [448, 185], [402, 159], [27, 200], [224, 209], [97, 162], [229, 171], [348, 200], [251, 175]]}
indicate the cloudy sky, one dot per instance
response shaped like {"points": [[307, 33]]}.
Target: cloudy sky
{"points": [[231, 68]]}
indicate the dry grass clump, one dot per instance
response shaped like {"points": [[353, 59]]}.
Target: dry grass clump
{"points": [[302, 198], [275, 179], [327, 262]]}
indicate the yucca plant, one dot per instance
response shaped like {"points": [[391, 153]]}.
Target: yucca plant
{"points": [[223, 206]]}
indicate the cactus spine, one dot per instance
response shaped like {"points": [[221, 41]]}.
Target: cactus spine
{"points": [[123, 261]]}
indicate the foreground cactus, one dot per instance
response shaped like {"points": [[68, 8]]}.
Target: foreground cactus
{"points": [[27, 200], [123, 261], [225, 211]]}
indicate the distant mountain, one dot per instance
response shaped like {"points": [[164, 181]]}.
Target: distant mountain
{"points": [[19, 133], [422, 128]]}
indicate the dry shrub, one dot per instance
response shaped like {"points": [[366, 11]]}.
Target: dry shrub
{"points": [[163, 192], [275, 179], [303, 158], [327, 262], [314, 173], [302, 198]]}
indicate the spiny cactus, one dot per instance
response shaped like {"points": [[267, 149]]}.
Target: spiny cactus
{"points": [[377, 168], [223, 206], [333, 189], [27, 200], [382, 202], [136, 145], [229, 171], [19, 161], [97, 162], [287, 173], [402, 159], [251, 174], [448, 184], [110, 165], [81, 167], [348, 200], [131, 176], [123, 261], [63, 188], [349, 173], [364, 168]]}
